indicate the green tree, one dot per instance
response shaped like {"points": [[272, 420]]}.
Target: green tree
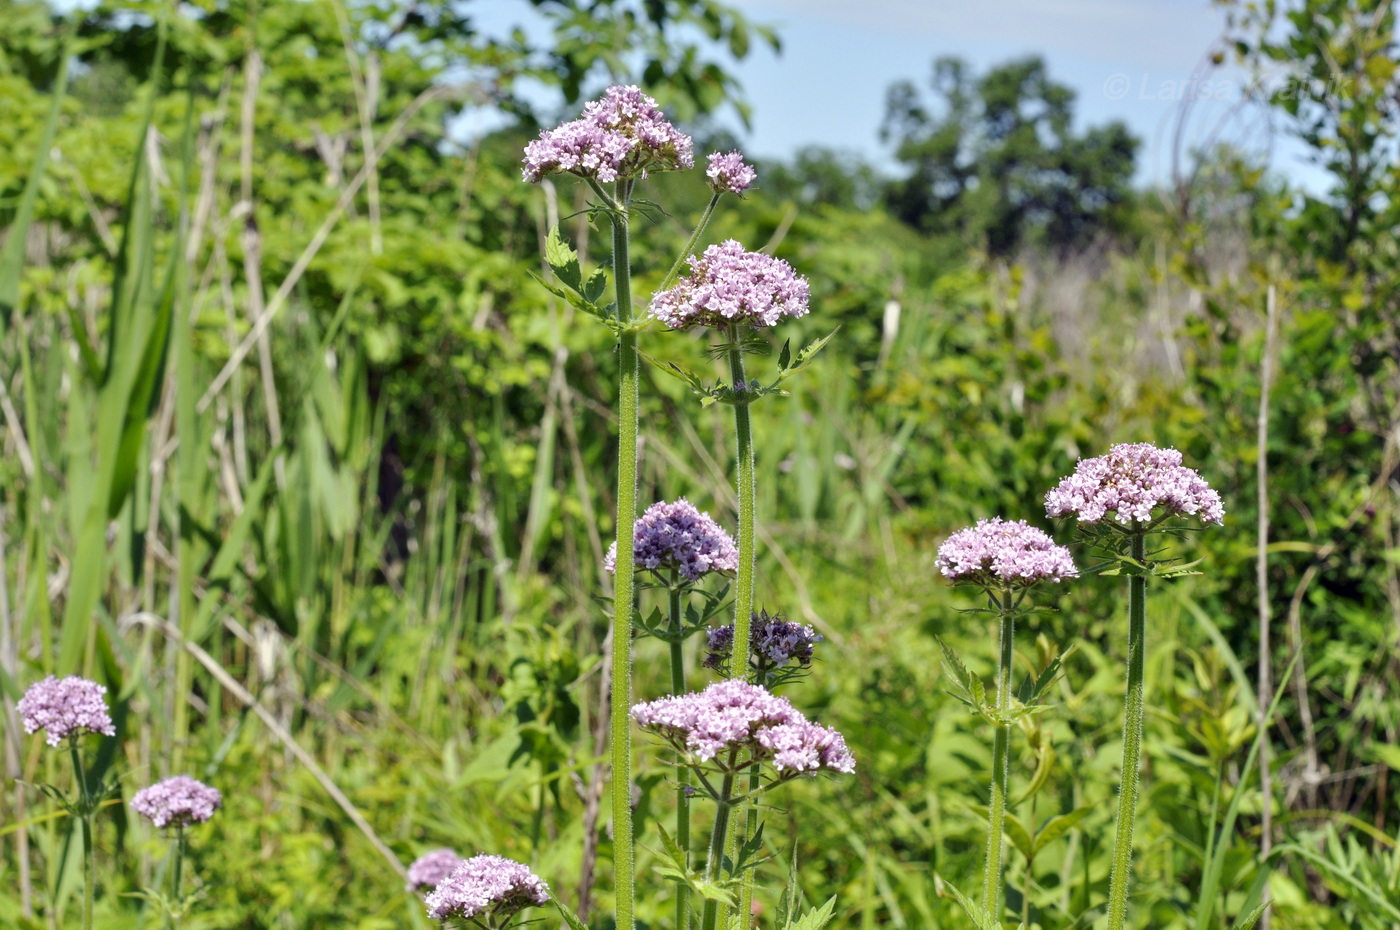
{"points": [[995, 159]]}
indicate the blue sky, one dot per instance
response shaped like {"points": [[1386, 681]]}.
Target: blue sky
{"points": [[1131, 60]]}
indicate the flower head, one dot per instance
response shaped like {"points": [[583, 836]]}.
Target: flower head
{"points": [[429, 869], [488, 889], [1136, 481], [622, 135], [177, 802], [728, 173], [677, 536], [999, 553], [728, 285], [64, 707], [746, 718], [773, 641]]}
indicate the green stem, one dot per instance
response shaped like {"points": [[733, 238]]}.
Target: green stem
{"points": [[181, 846], [1001, 767], [85, 819], [682, 770], [743, 588], [1132, 740], [690, 244], [624, 590], [710, 914]]}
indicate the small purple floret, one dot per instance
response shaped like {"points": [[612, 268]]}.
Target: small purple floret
{"points": [[429, 869], [177, 802], [64, 707], [728, 285], [728, 174], [1135, 481], [486, 889], [999, 553], [776, 641], [681, 538], [622, 135], [762, 727]]}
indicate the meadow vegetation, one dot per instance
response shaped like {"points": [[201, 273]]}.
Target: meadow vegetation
{"points": [[301, 461]]}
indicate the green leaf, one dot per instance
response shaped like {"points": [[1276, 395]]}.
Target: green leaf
{"points": [[595, 285], [817, 918], [569, 916], [1057, 827], [791, 898], [785, 356], [980, 918], [1019, 836], [1044, 764], [563, 260], [1252, 917]]}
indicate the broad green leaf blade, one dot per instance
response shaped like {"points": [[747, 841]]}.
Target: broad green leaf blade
{"points": [[1057, 827], [816, 919], [1252, 918], [980, 918]]}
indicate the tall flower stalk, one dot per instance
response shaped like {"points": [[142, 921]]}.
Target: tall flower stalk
{"points": [[66, 709], [178, 802], [618, 140], [1004, 559], [1144, 487]]}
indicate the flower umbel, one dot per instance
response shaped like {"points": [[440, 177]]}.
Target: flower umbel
{"points": [[64, 707], [773, 642], [729, 285], [729, 174], [487, 890], [429, 869], [177, 802], [1140, 483], [622, 135], [678, 536], [999, 553], [747, 724]]}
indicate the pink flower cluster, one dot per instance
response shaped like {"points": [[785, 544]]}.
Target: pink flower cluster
{"points": [[623, 135], [486, 888], [677, 536], [177, 802], [1135, 481], [65, 707], [737, 716], [429, 869], [729, 285], [729, 174], [998, 553]]}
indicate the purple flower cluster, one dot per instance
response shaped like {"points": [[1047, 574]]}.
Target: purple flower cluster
{"points": [[1134, 480], [177, 802], [429, 869], [65, 707], [998, 553], [737, 716], [623, 135], [772, 639], [728, 174], [728, 285], [677, 536], [484, 888]]}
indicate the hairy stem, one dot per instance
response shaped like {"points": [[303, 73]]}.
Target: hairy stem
{"points": [[743, 587], [1001, 767], [85, 819], [682, 770], [624, 587], [714, 864], [1132, 741]]}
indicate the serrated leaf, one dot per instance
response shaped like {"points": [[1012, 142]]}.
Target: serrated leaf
{"points": [[673, 849], [816, 919], [713, 892], [1057, 827], [785, 355], [569, 916], [595, 285], [791, 898], [563, 260], [980, 918]]}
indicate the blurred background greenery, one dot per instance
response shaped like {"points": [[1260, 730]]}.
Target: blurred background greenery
{"points": [[275, 380]]}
